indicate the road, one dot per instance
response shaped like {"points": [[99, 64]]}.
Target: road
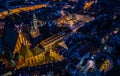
{"points": [[17, 10]]}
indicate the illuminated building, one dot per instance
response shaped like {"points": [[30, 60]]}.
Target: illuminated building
{"points": [[49, 42], [90, 68], [37, 57], [87, 5], [104, 63], [75, 50], [21, 40]]}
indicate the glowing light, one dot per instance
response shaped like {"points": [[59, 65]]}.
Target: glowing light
{"points": [[17, 10], [62, 12], [105, 66], [87, 5]]}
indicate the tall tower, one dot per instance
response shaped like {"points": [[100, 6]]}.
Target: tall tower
{"points": [[34, 31], [35, 21]]}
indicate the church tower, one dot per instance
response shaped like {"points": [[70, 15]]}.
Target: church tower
{"points": [[35, 21], [34, 31]]}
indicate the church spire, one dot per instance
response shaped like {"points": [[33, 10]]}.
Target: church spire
{"points": [[35, 21], [34, 28]]}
